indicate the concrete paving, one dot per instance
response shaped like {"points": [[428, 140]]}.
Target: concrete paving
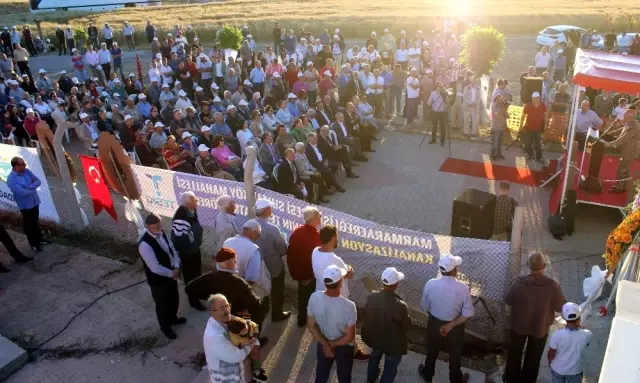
{"points": [[12, 358]]}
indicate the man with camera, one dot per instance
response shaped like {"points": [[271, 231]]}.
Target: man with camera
{"points": [[437, 103]]}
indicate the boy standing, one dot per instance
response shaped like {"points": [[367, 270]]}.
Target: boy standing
{"points": [[566, 347]]}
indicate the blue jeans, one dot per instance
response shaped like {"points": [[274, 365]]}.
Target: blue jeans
{"points": [[391, 363], [497, 137], [82, 76], [557, 378], [344, 363]]}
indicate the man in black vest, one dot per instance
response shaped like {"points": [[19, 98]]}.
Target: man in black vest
{"points": [[162, 266]]}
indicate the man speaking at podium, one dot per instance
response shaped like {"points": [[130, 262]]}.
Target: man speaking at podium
{"points": [[628, 143]]}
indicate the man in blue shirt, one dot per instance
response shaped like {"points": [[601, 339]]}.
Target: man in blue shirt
{"points": [[24, 184], [257, 78], [116, 55], [143, 106]]}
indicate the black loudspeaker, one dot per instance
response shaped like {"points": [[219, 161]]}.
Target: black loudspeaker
{"points": [[531, 84], [473, 214], [557, 226], [569, 211]]}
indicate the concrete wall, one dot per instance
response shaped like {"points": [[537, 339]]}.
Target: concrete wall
{"points": [[622, 359]]}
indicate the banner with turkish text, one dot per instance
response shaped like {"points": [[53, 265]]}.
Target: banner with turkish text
{"points": [[98, 189]]}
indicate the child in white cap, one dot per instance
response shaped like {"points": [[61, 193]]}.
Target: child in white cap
{"points": [[566, 347]]}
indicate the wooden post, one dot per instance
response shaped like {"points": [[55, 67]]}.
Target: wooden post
{"points": [[139, 66]]}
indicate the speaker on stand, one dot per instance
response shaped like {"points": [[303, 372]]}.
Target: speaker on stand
{"points": [[473, 214], [531, 84]]}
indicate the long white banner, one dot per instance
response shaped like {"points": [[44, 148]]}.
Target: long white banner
{"points": [[30, 155]]}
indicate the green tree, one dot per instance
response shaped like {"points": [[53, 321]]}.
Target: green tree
{"points": [[482, 48], [229, 37]]}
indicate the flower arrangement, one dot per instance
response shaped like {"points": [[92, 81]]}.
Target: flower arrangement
{"points": [[620, 239]]}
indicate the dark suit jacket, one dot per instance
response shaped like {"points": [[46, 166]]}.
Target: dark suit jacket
{"points": [[313, 157], [336, 128], [331, 109], [266, 159], [286, 183], [321, 120]]}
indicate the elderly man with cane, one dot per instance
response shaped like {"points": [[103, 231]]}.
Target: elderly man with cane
{"points": [[186, 235]]}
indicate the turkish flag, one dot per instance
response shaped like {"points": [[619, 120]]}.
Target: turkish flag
{"points": [[96, 185]]}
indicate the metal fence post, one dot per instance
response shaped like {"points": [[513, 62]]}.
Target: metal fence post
{"points": [[77, 223], [248, 180]]}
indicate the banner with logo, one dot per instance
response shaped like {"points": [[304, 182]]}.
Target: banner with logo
{"points": [[30, 155], [368, 246]]}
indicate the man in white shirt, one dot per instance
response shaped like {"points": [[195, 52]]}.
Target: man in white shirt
{"points": [[376, 86], [543, 58], [128, 32], [162, 267], [621, 109], [324, 256], [205, 68], [225, 361], [92, 59], [413, 94], [472, 104], [104, 59], [225, 225], [402, 56], [448, 303], [366, 78]]}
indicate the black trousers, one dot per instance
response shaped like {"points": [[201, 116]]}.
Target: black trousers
{"points": [[31, 222], [304, 293], [453, 342], [31, 48], [107, 70], [438, 120], [8, 243], [165, 295], [277, 295], [24, 69], [8, 49], [191, 269], [516, 371], [308, 183]]}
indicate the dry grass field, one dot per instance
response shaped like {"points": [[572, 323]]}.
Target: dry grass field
{"points": [[354, 18]]}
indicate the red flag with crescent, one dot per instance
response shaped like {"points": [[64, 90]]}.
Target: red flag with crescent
{"points": [[98, 189]]}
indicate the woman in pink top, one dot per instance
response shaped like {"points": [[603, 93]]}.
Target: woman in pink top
{"points": [[225, 157]]}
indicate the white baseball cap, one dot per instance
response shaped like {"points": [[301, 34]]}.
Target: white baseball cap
{"points": [[300, 74], [165, 85], [205, 128], [182, 93], [309, 63], [243, 103], [42, 71], [177, 82], [73, 50], [63, 72], [29, 110], [535, 94], [263, 204], [158, 55], [199, 89], [83, 115], [116, 81], [391, 276], [203, 148], [571, 311], [230, 107], [333, 274], [186, 135], [128, 117], [142, 96], [116, 94], [247, 82], [276, 75], [291, 95], [156, 39], [327, 73], [214, 86], [131, 75], [217, 99], [158, 125], [448, 262]]}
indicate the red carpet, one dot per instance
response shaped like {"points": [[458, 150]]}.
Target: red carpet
{"points": [[608, 170], [492, 171]]}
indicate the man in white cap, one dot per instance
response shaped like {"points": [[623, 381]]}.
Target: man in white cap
{"points": [[43, 81], [116, 54], [238, 94], [535, 113], [205, 70], [385, 327], [158, 138], [183, 102], [534, 299], [273, 247], [128, 31], [251, 265], [566, 346], [207, 166], [331, 320], [130, 107], [448, 303], [311, 77], [144, 107], [166, 95]]}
